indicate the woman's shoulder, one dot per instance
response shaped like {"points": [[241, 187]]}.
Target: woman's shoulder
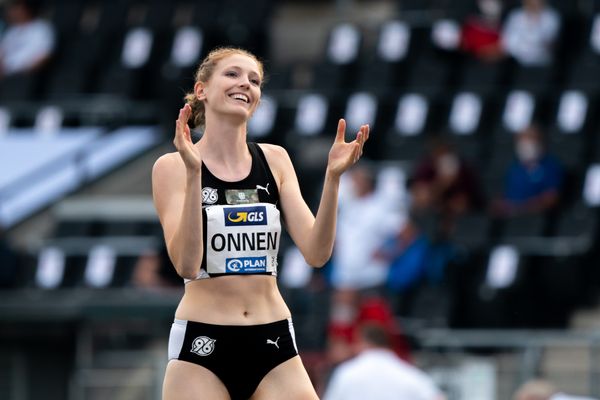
{"points": [[273, 149], [278, 159], [276, 155], [169, 159], [168, 163]]}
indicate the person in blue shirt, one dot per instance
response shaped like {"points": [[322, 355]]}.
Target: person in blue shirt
{"points": [[534, 179]]}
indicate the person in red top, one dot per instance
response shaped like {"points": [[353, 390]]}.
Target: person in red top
{"points": [[481, 33], [443, 182]]}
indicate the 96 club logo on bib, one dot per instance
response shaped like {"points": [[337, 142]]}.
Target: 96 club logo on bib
{"points": [[246, 265], [243, 216]]}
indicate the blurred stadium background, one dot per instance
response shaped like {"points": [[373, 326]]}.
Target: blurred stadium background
{"points": [[78, 139]]}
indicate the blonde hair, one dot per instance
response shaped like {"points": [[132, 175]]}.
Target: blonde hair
{"points": [[204, 73]]}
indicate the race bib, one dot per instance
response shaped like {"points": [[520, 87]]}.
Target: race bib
{"points": [[242, 239]]}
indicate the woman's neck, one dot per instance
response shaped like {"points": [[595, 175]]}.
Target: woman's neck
{"points": [[225, 143]]}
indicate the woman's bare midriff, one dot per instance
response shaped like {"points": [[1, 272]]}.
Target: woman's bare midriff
{"points": [[233, 300]]}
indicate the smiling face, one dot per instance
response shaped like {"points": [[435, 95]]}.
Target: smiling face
{"points": [[233, 89]]}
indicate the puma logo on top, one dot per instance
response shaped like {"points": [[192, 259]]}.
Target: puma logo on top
{"points": [[266, 189], [269, 341]]}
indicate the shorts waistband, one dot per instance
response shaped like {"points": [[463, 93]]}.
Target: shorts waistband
{"points": [[284, 323]]}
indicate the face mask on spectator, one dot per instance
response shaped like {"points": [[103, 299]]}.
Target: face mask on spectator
{"points": [[528, 150], [490, 8], [447, 165], [534, 6]]}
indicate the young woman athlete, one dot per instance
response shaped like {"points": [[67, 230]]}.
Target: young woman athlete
{"points": [[221, 202]]}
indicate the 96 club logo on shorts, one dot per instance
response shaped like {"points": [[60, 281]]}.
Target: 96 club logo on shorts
{"points": [[203, 346], [246, 265]]}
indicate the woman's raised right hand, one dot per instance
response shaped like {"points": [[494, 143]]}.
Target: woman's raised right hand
{"points": [[183, 141]]}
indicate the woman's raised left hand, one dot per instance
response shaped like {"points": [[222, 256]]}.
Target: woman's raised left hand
{"points": [[342, 154]]}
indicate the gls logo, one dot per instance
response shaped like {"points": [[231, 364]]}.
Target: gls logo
{"points": [[245, 216], [203, 345]]}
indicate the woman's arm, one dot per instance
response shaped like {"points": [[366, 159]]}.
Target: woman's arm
{"points": [[315, 236], [177, 193]]}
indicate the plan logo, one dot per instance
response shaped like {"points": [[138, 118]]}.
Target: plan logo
{"points": [[246, 265], [241, 216]]}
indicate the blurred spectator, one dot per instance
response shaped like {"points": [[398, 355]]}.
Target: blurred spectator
{"points": [[153, 270], [481, 32], [443, 182], [371, 309], [405, 253], [376, 310], [295, 272], [417, 274], [538, 389], [534, 179], [378, 373], [8, 262], [28, 40], [530, 32], [367, 217]]}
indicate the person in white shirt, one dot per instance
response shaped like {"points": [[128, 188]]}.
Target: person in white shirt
{"points": [[539, 389], [530, 32], [27, 42], [368, 215], [377, 373]]}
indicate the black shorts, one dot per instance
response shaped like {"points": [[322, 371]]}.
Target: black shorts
{"points": [[240, 355]]}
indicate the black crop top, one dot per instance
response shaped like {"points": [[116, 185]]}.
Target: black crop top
{"points": [[241, 222]]}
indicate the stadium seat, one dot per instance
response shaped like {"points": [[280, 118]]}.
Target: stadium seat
{"points": [[124, 269], [82, 49], [471, 116], [581, 70], [65, 16], [339, 63], [99, 267], [471, 232], [495, 291], [309, 139], [591, 185], [72, 272], [569, 133], [558, 286], [578, 227], [494, 175], [18, 87], [537, 80], [482, 77], [71, 228], [269, 122], [520, 230], [383, 68], [517, 110], [415, 117], [433, 69], [127, 67]]}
